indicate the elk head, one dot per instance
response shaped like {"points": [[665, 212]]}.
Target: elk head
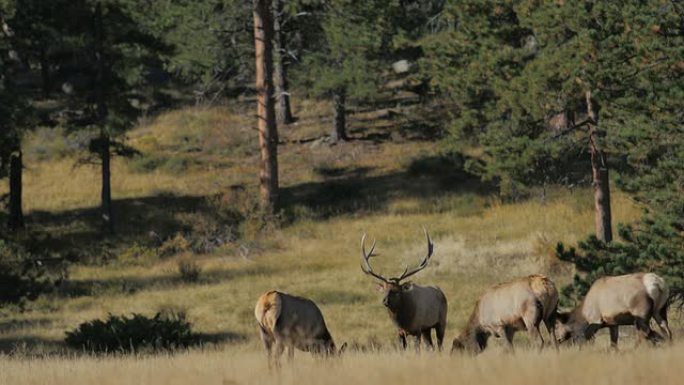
{"points": [[393, 288], [570, 326]]}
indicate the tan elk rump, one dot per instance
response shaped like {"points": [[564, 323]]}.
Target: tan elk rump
{"points": [[631, 299], [287, 321], [414, 309], [502, 310]]}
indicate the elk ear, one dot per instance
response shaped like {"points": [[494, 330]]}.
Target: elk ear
{"points": [[563, 317], [380, 287], [406, 286]]}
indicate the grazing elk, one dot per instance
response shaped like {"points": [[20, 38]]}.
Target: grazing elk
{"points": [[630, 299], [287, 321], [415, 310], [502, 310]]}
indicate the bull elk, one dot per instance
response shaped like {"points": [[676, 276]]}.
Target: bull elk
{"points": [[415, 310], [287, 321], [521, 304], [631, 299]]}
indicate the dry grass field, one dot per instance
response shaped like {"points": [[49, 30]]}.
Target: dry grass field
{"points": [[571, 367], [197, 161]]}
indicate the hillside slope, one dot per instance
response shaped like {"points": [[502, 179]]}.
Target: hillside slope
{"points": [[194, 184]]}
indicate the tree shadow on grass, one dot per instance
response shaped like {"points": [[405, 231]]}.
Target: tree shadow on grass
{"points": [[77, 236], [352, 190], [148, 221], [131, 285], [29, 345], [134, 218], [220, 338], [12, 324]]}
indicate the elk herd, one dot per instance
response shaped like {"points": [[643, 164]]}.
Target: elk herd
{"points": [[288, 322]]}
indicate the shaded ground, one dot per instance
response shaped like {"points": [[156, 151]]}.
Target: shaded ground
{"points": [[350, 190], [152, 220]]}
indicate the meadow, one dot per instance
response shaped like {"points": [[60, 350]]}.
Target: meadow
{"points": [[388, 182], [592, 366]]}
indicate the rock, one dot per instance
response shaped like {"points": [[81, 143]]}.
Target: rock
{"points": [[402, 66]]}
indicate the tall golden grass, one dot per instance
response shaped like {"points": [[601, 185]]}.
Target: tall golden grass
{"points": [[572, 367]]}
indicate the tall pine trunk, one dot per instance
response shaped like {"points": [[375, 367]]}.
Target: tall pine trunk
{"points": [[16, 215], [268, 134], [283, 110], [45, 72], [104, 140], [599, 177], [339, 129], [106, 211]]}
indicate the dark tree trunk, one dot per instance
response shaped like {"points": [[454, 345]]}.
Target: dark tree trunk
{"points": [[339, 130], [45, 72], [268, 133], [283, 110], [104, 140], [16, 215], [599, 173], [106, 197]]}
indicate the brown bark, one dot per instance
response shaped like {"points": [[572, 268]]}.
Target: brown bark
{"points": [[104, 140], [268, 133], [339, 130], [16, 215], [599, 173], [283, 110]]}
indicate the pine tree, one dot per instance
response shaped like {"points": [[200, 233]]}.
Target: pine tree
{"points": [[514, 68], [117, 51], [212, 40], [650, 139], [268, 133], [347, 60], [282, 61], [15, 114], [545, 88]]}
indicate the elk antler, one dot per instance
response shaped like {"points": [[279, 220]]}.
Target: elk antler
{"points": [[423, 264], [365, 265]]}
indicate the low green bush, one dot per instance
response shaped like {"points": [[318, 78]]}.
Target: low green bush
{"points": [[165, 331], [23, 277]]}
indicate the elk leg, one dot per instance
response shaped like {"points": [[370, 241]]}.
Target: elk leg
{"points": [[535, 335], [614, 333], [643, 330], [427, 336], [550, 324], [402, 339], [290, 353], [439, 331], [532, 320], [267, 340], [661, 319], [508, 334], [416, 338], [279, 349]]}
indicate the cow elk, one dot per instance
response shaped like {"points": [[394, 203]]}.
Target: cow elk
{"points": [[521, 304], [631, 299], [415, 310], [287, 321]]}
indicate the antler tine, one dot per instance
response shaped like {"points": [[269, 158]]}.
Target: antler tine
{"points": [[363, 248], [431, 246], [365, 265], [423, 264]]}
